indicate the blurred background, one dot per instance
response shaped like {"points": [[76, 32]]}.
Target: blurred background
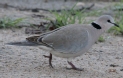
{"points": [[20, 19]]}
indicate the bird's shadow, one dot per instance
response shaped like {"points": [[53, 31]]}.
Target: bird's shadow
{"points": [[22, 43]]}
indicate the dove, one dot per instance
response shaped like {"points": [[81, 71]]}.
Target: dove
{"points": [[73, 40]]}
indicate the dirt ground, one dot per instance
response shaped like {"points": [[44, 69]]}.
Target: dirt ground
{"points": [[104, 60]]}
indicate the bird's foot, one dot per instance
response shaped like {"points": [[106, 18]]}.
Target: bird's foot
{"points": [[73, 67], [46, 56], [50, 60]]}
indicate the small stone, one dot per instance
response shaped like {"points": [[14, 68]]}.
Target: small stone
{"points": [[100, 51], [121, 69], [113, 65], [112, 70], [117, 58], [3, 47]]}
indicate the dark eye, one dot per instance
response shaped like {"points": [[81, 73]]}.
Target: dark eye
{"points": [[108, 21]]}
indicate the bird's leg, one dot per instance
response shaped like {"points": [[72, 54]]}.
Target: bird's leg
{"points": [[50, 59], [73, 66]]}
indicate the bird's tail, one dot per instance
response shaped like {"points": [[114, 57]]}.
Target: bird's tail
{"points": [[30, 41], [33, 39]]}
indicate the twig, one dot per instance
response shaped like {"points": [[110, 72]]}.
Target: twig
{"points": [[37, 9]]}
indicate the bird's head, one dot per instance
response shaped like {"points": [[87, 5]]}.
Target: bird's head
{"points": [[105, 22]]}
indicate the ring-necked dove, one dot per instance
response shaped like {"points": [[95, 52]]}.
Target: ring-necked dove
{"points": [[75, 39]]}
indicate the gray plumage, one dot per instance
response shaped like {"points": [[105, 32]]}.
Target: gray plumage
{"points": [[75, 39]]}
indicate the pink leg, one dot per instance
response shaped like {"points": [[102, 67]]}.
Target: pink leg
{"points": [[73, 67], [50, 59]]}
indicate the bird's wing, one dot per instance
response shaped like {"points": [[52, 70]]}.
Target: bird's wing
{"points": [[34, 39], [72, 38]]}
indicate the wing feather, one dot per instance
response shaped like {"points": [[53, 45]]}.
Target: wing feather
{"points": [[68, 39]]}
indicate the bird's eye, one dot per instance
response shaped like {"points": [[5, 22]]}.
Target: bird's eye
{"points": [[108, 21]]}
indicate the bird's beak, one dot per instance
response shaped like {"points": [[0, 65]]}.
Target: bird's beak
{"points": [[115, 24]]}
